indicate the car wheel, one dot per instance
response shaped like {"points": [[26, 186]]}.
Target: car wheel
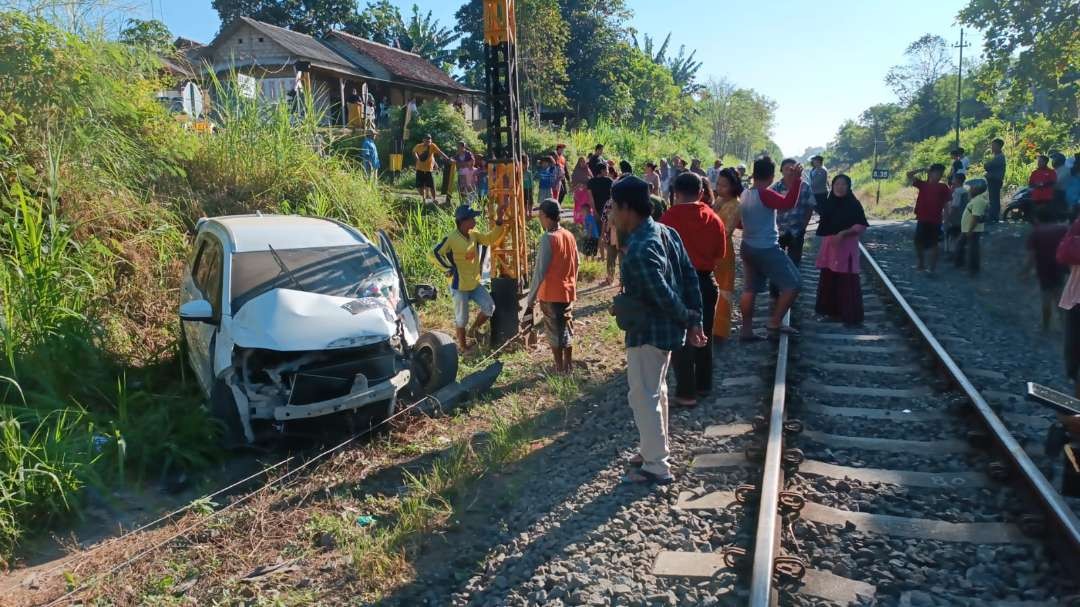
{"points": [[434, 363], [223, 408]]}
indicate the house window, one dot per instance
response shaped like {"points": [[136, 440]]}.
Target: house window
{"points": [[260, 39], [239, 40]]}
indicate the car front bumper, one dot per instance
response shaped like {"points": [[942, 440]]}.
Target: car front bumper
{"points": [[381, 392]]}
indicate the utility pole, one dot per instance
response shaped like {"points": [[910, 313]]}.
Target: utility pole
{"points": [[959, 81]]}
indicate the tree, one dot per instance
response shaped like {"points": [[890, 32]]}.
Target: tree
{"points": [[424, 36], [152, 35], [739, 120], [927, 60], [597, 34], [542, 60], [381, 22], [1032, 51], [683, 67], [315, 17]]}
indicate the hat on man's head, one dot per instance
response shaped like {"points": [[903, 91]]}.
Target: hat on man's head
{"points": [[465, 212]]}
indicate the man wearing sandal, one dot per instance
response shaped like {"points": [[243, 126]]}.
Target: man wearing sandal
{"points": [[763, 260], [660, 310]]}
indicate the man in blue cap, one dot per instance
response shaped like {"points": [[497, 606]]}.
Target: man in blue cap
{"points": [[462, 254]]}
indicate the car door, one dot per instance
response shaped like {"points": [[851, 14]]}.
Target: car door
{"points": [[205, 282]]}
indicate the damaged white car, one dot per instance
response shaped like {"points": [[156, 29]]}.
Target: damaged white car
{"points": [[287, 318]]}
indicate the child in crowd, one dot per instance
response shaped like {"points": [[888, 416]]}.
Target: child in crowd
{"points": [[527, 184], [481, 177], [1042, 247], [547, 176], [582, 199], [972, 225], [467, 182], [592, 231], [960, 199]]}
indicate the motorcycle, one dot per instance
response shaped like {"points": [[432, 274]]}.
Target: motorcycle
{"points": [[1020, 207]]}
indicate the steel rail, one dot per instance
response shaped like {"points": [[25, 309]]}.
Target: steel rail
{"points": [[767, 538], [1048, 497]]}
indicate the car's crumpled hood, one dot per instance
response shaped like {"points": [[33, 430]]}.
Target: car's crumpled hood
{"points": [[289, 321]]}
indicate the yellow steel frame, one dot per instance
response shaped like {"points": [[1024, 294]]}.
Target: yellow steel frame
{"points": [[505, 179]]}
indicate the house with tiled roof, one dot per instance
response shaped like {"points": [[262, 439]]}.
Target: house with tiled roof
{"points": [[333, 68]]}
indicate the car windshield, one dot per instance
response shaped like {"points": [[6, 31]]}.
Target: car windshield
{"points": [[346, 271]]}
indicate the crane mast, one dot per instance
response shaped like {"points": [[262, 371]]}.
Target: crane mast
{"points": [[505, 178]]}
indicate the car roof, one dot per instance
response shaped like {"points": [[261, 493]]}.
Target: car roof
{"points": [[255, 232]]}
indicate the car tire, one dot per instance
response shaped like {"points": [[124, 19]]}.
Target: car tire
{"points": [[223, 408], [434, 363]]}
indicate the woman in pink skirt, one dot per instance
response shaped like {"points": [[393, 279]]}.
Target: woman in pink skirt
{"points": [[839, 295]]}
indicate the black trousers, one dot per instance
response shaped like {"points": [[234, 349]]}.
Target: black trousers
{"points": [[693, 366], [793, 246], [993, 190], [968, 250]]}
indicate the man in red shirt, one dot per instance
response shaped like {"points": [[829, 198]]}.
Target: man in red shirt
{"points": [[930, 205], [1042, 182], [705, 239]]}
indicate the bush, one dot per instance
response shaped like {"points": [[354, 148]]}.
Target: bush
{"points": [[439, 119]]}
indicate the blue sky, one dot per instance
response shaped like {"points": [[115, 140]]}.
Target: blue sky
{"points": [[822, 62]]}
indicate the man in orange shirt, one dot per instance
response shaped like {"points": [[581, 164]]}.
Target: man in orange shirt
{"points": [[554, 283]]}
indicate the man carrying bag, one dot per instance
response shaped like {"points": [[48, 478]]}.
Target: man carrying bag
{"points": [[659, 308]]}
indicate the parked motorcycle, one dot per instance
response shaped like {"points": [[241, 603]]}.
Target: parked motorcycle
{"points": [[1020, 207]]}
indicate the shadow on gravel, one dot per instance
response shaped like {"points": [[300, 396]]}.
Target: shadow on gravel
{"points": [[503, 509]]}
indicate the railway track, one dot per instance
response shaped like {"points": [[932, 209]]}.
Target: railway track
{"points": [[878, 474]]}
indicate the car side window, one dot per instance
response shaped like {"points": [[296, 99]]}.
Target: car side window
{"points": [[199, 265], [208, 272]]}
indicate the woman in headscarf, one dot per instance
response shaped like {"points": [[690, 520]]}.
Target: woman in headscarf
{"points": [[839, 295], [726, 205], [581, 174]]}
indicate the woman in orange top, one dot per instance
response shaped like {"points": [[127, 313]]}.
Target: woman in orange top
{"points": [[726, 205]]}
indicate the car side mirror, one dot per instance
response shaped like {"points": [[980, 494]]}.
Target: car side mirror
{"points": [[424, 293], [197, 310]]}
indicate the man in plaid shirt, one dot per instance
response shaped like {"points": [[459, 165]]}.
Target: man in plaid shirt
{"points": [[792, 224], [658, 276]]}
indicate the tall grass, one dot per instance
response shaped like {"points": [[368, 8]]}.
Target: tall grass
{"points": [[99, 190]]}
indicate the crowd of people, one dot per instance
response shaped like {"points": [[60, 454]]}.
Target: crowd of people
{"points": [[667, 237]]}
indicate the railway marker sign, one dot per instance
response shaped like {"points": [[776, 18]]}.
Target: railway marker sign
{"points": [[882, 173]]}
